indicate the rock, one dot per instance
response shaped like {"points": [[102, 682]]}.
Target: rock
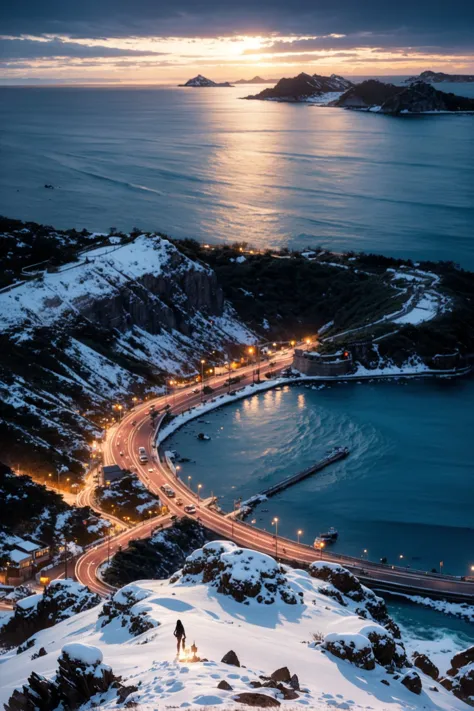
{"points": [[384, 681], [231, 658], [252, 698], [223, 684], [295, 682], [39, 694], [288, 694], [124, 692], [303, 86], [125, 606], [354, 648], [447, 683], [342, 579], [412, 682], [282, 674], [255, 684], [40, 653], [424, 663], [461, 659], [383, 646]]}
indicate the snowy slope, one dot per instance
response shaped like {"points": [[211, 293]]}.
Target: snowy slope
{"points": [[265, 637]]}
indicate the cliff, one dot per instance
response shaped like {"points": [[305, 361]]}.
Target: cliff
{"points": [[111, 323]]}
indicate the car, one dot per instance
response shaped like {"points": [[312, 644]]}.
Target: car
{"points": [[134, 422], [121, 454], [196, 391], [190, 509], [179, 502], [151, 469]]}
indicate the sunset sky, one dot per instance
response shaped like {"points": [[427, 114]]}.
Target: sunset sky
{"points": [[153, 41]]}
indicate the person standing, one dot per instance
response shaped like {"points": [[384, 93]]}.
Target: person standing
{"points": [[180, 635]]}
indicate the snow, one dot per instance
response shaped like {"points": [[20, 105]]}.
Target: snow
{"points": [[425, 310], [29, 602], [17, 556], [265, 637], [84, 653]]}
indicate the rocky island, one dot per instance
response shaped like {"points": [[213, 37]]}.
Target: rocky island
{"points": [[200, 81], [256, 80], [440, 77], [418, 98], [303, 88]]}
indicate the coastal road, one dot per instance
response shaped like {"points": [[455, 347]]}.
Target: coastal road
{"points": [[122, 448]]}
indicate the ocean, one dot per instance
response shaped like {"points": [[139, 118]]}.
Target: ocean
{"points": [[404, 493], [202, 163]]}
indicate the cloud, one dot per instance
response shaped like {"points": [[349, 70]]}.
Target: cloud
{"points": [[207, 18], [20, 49]]}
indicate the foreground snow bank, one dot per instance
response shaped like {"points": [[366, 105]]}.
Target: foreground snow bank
{"points": [[269, 637]]}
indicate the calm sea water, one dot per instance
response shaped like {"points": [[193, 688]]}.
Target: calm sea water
{"points": [[203, 164], [407, 488]]}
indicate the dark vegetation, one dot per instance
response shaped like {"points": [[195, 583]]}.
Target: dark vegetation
{"points": [[161, 555], [29, 508], [126, 497]]}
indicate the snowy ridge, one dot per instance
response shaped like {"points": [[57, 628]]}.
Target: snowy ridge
{"points": [[265, 636]]}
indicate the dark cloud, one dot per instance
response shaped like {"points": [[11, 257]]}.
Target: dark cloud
{"points": [[22, 49], [437, 19]]}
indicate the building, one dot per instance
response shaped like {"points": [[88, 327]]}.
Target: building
{"points": [[23, 558], [110, 473], [323, 365]]}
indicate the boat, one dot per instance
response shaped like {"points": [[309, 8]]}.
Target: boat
{"points": [[319, 543], [329, 536]]}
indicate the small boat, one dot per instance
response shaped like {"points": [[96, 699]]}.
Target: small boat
{"points": [[329, 536]]}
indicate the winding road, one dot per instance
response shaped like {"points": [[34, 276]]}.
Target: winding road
{"points": [[137, 430]]}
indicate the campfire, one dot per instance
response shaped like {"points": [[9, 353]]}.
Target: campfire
{"points": [[189, 654]]}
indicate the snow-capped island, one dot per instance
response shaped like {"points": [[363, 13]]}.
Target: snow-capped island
{"points": [[439, 77], [305, 88], [200, 81]]}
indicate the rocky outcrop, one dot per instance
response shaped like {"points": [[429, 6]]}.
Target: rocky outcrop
{"points": [[60, 600], [460, 679], [231, 658], [238, 572], [302, 87], [412, 682], [424, 664], [126, 607], [223, 684], [262, 701], [354, 648], [346, 589], [81, 674]]}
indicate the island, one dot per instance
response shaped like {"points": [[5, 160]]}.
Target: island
{"points": [[256, 80], [304, 88], [440, 77], [200, 81], [418, 98]]}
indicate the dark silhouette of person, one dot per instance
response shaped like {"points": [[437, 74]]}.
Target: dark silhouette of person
{"points": [[180, 634]]}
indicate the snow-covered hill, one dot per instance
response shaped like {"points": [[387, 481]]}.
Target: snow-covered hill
{"points": [[113, 323], [296, 640]]}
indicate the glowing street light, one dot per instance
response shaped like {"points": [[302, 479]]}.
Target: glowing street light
{"points": [[299, 533], [275, 523], [199, 492], [202, 378], [189, 481], [321, 545]]}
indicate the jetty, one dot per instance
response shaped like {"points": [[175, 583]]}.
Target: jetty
{"points": [[333, 456]]}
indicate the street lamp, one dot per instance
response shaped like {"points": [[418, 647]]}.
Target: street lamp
{"points": [[275, 523], [202, 378], [321, 545], [199, 493], [299, 533], [177, 471], [189, 482]]}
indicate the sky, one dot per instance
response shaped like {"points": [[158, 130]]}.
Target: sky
{"points": [[166, 41]]}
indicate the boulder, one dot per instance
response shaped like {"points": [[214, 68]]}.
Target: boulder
{"points": [[339, 577], [424, 663], [252, 698], [412, 682], [40, 694], [461, 659], [223, 684], [295, 682], [354, 648], [282, 674], [231, 658], [288, 694]]}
